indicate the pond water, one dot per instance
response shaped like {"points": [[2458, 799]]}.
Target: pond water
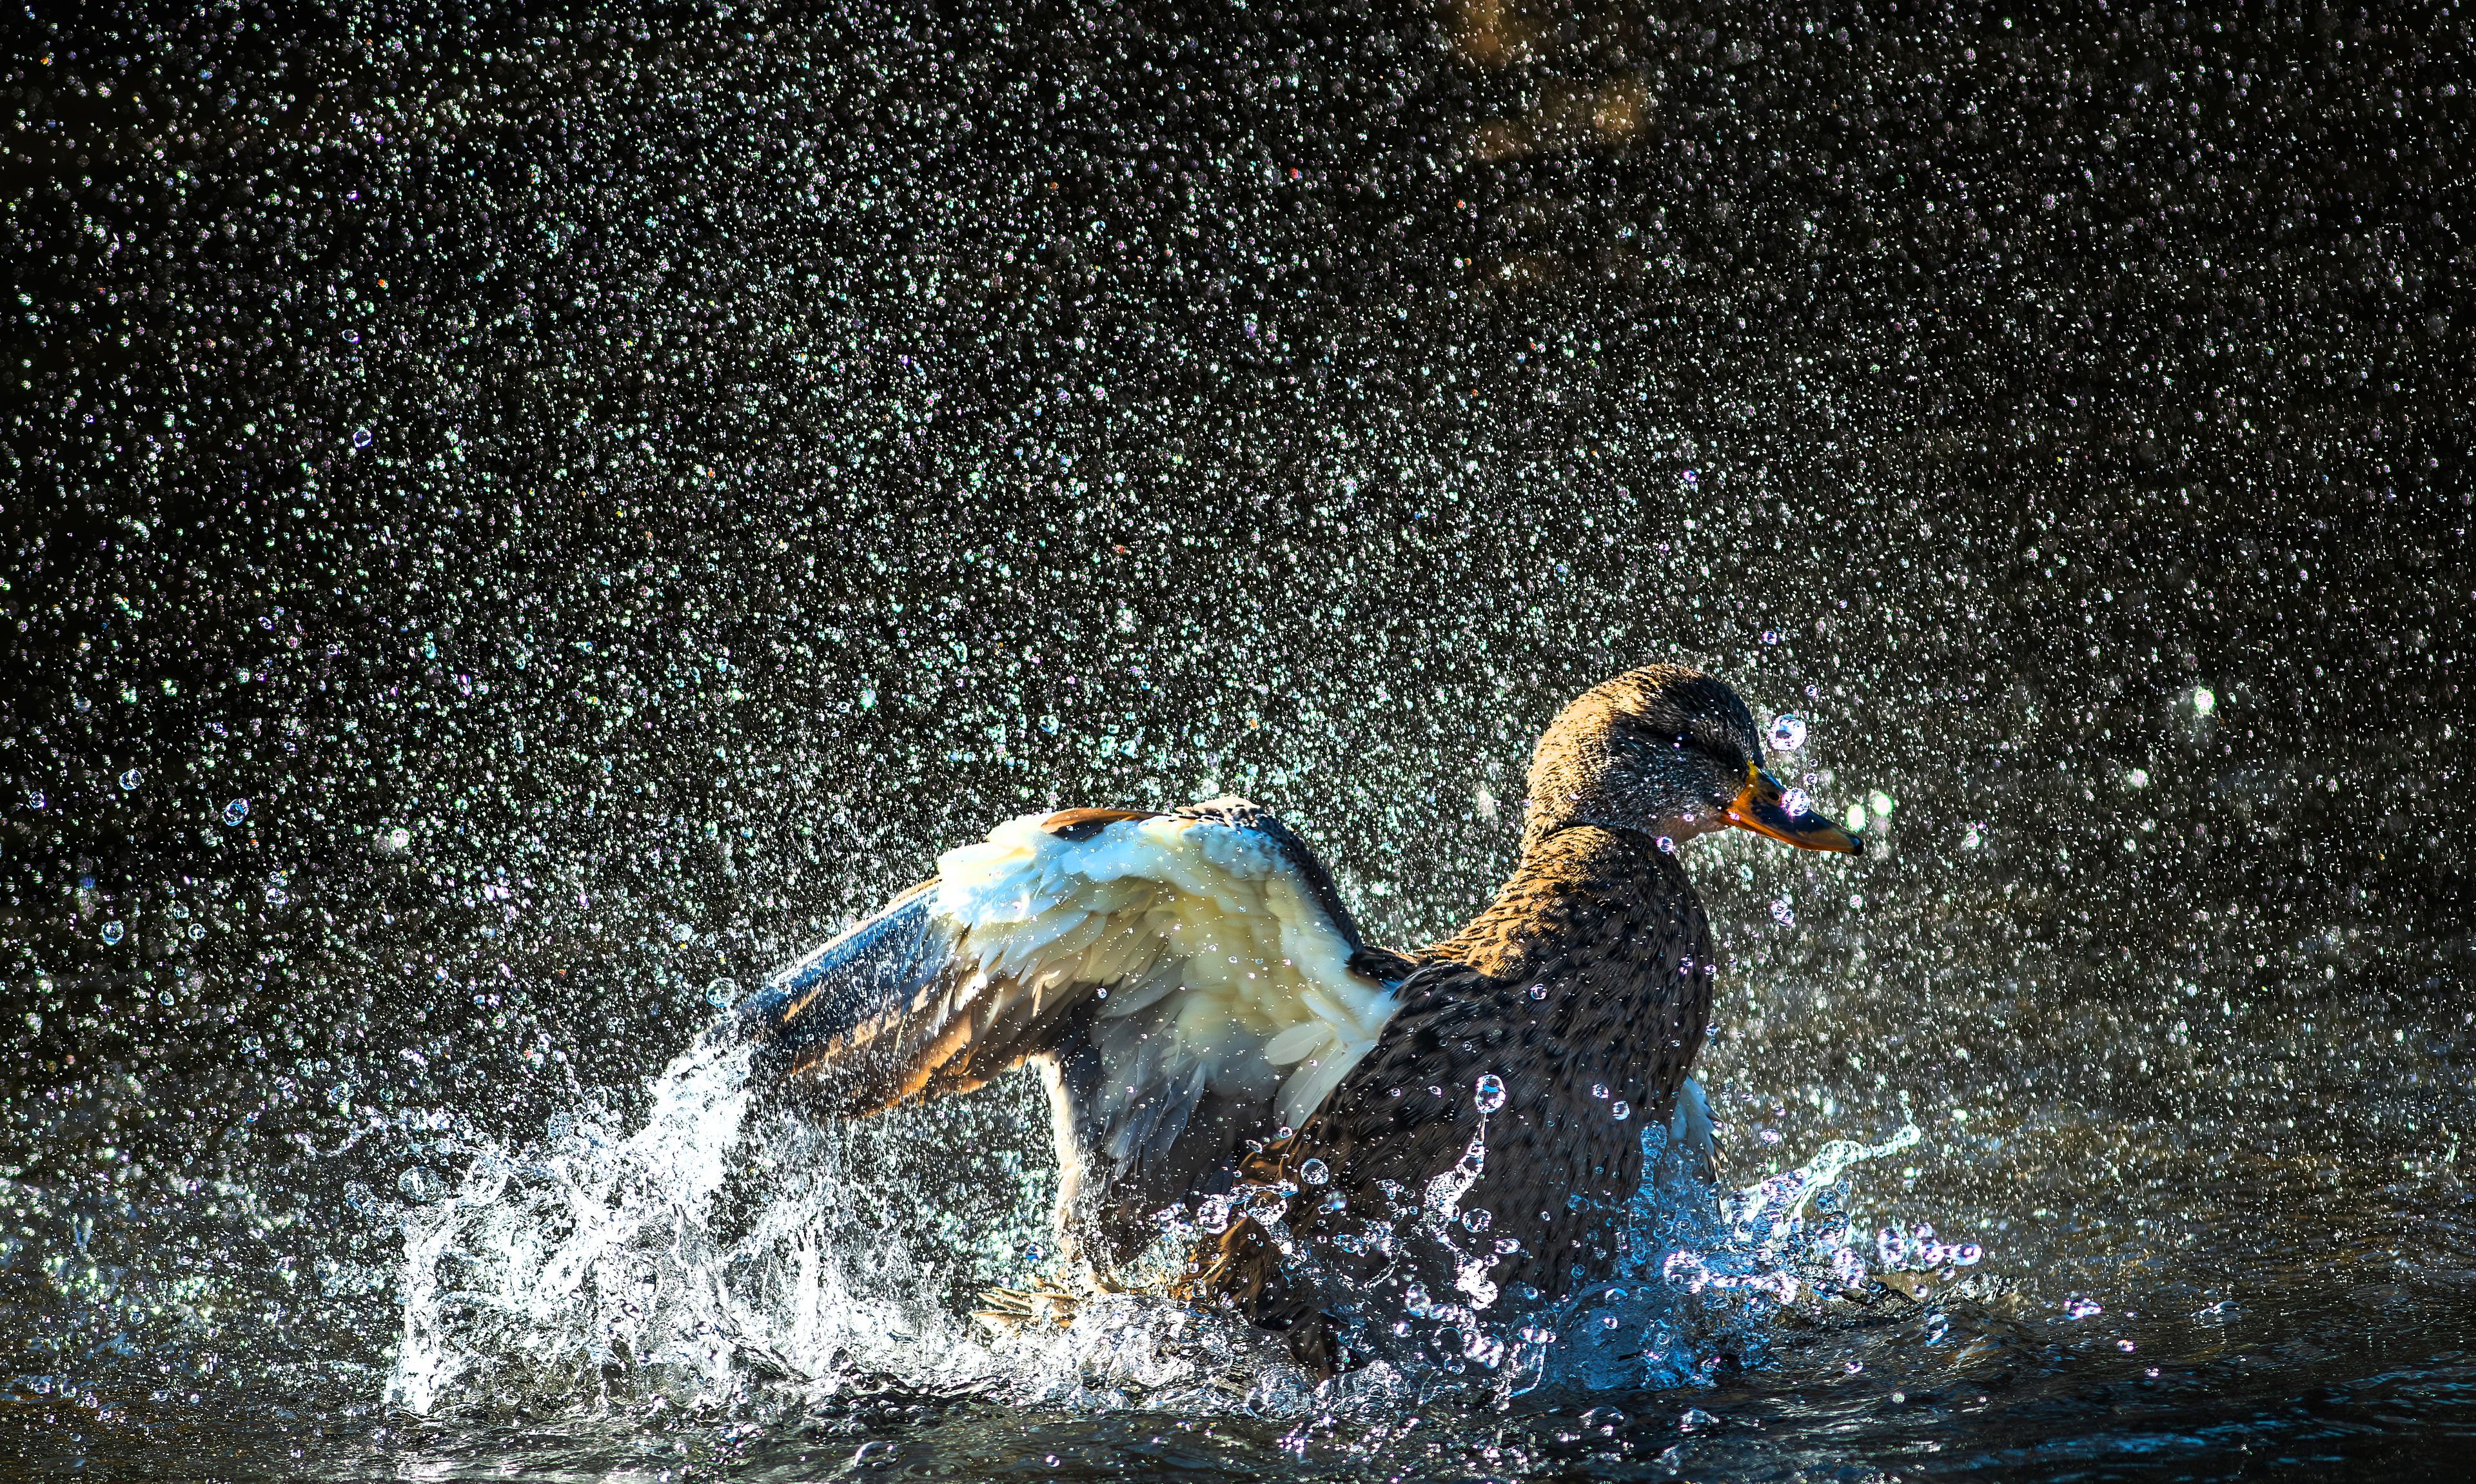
{"points": [[519, 527]]}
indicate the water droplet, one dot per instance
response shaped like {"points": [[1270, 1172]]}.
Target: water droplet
{"points": [[129, 781], [34, 798], [197, 931], [1537, 991], [721, 993], [1782, 912], [274, 897], [1600, 1090], [680, 932], [1690, 477], [111, 932], [1476, 1220], [1621, 1110], [1666, 843], [1796, 800], [1856, 816], [360, 437], [2082, 1308], [1491, 1093], [2204, 701], [2124, 1346], [236, 811], [1313, 1171], [868, 701], [1788, 732]]}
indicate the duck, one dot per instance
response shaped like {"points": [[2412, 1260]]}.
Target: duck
{"points": [[1232, 1066]]}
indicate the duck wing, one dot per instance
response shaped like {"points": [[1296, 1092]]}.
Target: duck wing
{"points": [[1184, 981]]}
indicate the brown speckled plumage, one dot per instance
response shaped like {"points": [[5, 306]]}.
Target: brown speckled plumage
{"points": [[1606, 926], [1592, 970]]}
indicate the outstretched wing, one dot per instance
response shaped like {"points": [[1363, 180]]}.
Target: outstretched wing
{"points": [[1186, 980]]}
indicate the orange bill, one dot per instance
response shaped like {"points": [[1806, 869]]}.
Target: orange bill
{"points": [[1762, 808]]}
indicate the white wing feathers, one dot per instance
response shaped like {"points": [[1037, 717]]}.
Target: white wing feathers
{"points": [[1176, 970], [1208, 925]]}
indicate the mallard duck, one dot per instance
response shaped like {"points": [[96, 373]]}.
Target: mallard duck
{"points": [[1218, 1037]]}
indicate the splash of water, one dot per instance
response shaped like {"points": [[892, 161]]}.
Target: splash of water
{"points": [[723, 1256], [1706, 1272], [556, 1262], [720, 1258]]}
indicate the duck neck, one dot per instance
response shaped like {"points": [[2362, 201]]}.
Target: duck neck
{"points": [[1571, 880]]}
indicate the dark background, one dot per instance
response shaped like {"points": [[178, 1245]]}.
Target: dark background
{"points": [[685, 467]]}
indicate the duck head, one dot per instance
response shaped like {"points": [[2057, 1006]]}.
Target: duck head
{"points": [[1665, 750]]}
